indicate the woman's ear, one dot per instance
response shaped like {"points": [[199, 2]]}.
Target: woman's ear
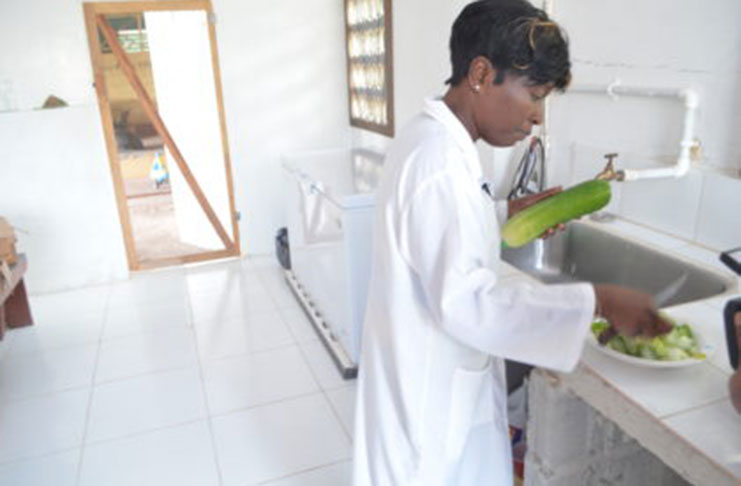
{"points": [[480, 73], [477, 73]]}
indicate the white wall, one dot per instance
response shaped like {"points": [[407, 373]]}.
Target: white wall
{"points": [[55, 187], [44, 51], [284, 78], [283, 75], [54, 177], [421, 64], [665, 43]]}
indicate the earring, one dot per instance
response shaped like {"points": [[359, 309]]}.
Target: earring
{"points": [[477, 88]]}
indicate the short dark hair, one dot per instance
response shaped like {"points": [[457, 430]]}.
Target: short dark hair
{"points": [[516, 37]]}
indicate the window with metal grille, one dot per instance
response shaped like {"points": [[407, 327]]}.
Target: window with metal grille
{"points": [[370, 65]]}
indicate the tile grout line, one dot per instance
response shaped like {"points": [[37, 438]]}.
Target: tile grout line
{"points": [[250, 354], [106, 309], [229, 317], [202, 362], [694, 408], [302, 471], [700, 200], [5, 346], [321, 387], [307, 362], [105, 441], [322, 390], [130, 377], [270, 403], [78, 475], [45, 348], [204, 390], [51, 393], [148, 332], [296, 341], [51, 349], [301, 344], [17, 460], [46, 394], [337, 416], [132, 435], [180, 424], [167, 369]]}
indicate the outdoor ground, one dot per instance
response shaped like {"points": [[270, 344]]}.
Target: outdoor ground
{"points": [[151, 210]]}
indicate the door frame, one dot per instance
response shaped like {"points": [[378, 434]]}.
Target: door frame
{"points": [[91, 11]]}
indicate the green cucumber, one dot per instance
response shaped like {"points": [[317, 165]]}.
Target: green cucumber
{"points": [[572, 203]]}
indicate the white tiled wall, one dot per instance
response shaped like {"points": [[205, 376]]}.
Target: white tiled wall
{"points": [[719, 224], [670, 205], [662, 43]]}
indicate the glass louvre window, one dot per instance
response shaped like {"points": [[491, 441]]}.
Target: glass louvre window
{"points": [[369, 64]]}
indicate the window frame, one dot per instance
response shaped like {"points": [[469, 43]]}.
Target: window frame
{"points": [[388, 66]]}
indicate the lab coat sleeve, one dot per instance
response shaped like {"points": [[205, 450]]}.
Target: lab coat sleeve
{"points": [[442, 239]]}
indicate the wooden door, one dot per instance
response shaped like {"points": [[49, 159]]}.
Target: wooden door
{"points": [[170, 145]]}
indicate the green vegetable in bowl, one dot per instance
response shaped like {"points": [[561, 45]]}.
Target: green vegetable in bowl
{"points": [[678, 344]]}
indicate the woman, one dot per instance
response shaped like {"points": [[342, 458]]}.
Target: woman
{"points": [[431, 406]]}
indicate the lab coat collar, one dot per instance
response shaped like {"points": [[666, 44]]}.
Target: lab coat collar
{"points": [[437, 109]]}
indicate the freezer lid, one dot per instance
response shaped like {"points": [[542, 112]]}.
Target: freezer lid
{"points": [[346, 177]]}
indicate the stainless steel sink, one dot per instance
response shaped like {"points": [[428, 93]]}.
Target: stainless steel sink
{"points": [[586, 253]]}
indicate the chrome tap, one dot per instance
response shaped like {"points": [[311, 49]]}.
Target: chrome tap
{"points": [[529, 177], [609, 173]]}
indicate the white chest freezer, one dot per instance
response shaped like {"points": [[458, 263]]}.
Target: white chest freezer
{"points": [[330, 217]]}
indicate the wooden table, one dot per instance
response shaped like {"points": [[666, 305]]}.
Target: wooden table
{"points": [[14, 308]]}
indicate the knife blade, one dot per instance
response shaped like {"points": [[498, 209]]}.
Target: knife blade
{"points": [[663, 296]]}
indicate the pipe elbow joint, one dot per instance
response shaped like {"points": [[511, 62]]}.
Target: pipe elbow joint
{"points": [[682, 168], [691, 98]]}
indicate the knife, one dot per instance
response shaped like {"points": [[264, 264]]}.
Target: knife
{"points": [[661, 297]]}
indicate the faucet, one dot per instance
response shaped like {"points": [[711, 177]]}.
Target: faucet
{"points": [[529, 177], [609, 173]]}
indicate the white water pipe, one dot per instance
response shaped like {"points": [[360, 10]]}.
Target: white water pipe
{"points": [[690, 100]]}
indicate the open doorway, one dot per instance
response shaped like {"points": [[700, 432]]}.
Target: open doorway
{"points": [[158, 85]]}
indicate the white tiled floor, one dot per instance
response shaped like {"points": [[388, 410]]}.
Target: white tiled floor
{"points": [[208, 375]]}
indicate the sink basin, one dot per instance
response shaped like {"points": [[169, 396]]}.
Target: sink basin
{"points": [[586, 253]]}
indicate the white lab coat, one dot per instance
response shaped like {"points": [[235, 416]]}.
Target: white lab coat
{"points": [[431, 405]]}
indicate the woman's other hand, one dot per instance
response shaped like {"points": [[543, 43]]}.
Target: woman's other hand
{"points": [[629, 312], [514, 206]]}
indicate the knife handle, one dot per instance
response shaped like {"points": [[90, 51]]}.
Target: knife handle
{"points": [[732, 315], [732, 259]]}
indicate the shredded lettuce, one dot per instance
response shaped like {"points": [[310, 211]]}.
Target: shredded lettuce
{"points": [[678, 344]]}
